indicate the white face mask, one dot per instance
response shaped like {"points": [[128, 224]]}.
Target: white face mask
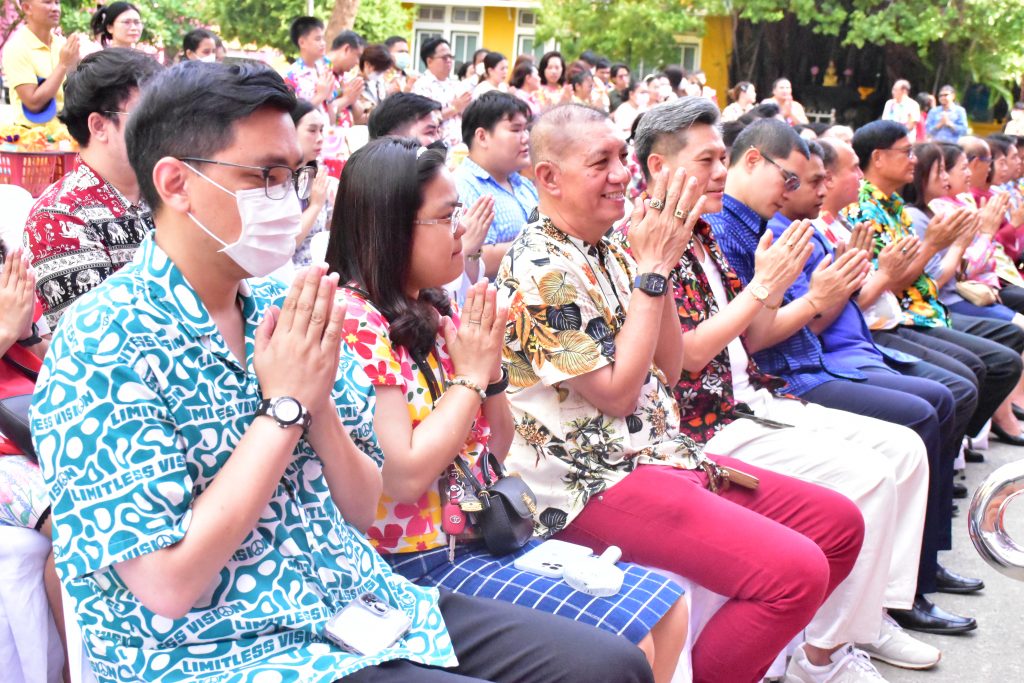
{"points": [[209, 59], [643, 99], [269, 229]]}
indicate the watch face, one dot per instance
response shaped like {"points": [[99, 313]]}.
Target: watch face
{"points": [[759, 292], [287, 410]]}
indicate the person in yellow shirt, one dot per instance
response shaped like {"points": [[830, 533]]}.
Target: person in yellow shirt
{"points": [[36, 60]]}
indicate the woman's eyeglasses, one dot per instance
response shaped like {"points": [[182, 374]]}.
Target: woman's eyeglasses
{"points": [[454, 219]]}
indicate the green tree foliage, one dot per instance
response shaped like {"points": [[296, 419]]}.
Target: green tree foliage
{"points": [[265, 22], [633, 30], [963, 40]]}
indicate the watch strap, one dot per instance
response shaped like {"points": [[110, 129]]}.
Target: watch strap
{"points": [[268, 407]]}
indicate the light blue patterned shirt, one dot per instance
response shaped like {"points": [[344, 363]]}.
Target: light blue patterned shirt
{"points": [[511, 209], [139, 405]]}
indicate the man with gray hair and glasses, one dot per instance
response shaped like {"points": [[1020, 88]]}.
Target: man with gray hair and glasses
{"points": [[733, 408]]}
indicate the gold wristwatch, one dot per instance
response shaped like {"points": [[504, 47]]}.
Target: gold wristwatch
{"points": [[760, 292]]}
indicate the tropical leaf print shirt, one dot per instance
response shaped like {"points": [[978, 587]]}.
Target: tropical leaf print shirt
{"points": [[567, 301], [890, 222], [139, 405]]}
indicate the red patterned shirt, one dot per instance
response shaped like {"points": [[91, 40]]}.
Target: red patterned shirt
{"points": [[80, 231], [706, 400]]}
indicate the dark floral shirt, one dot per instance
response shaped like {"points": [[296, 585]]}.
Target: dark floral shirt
{"points": [[706, 400]]}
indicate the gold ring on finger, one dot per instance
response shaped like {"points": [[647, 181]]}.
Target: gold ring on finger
{"points": [[903, 250], [682, 215], [657, 204]]}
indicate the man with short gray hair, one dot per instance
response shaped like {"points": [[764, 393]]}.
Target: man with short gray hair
{"points": [[728, 404]]}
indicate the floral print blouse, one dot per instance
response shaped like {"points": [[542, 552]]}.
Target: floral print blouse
{"points": [[567, 301], [890, 221], [404, 527]]}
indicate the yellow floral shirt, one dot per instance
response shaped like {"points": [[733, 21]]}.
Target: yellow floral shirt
{"points": [[405, 527], [567, 300]]}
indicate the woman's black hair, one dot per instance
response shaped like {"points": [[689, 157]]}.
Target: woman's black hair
{"points": [[928, 154], [543, 66], [301, 108], [381, 190], [463, 70], [105, 15], [492, 60], [951, 154], [194, 38]]}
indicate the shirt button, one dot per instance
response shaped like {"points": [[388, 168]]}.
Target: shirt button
{"points": [[600, 497]]}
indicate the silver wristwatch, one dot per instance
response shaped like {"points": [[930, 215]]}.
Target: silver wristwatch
{"points": [[286, 411]]}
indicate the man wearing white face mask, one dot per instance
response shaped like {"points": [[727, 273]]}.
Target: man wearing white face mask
{"points": [[89, 224]]}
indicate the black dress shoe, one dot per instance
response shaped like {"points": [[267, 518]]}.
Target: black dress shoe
{"points": [[928, 618], [1003, 436], [951, 582], [1018, 412], [956, 510], [959, 490], [971, 455]]}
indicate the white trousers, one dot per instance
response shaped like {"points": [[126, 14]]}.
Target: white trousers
{"points": [[881, 467]]}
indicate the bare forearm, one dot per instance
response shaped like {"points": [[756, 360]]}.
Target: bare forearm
{"points": [[492, 255], [788, 320], [307, 221], [37, 96], [352, 477], [499, 417], [169, 581], [707, 340], [949, 265], [875, 286]]}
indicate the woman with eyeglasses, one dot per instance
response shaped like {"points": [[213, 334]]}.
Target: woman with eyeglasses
{"points": [[118, 24], [440, 395]]}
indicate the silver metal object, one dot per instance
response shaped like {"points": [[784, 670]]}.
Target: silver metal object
{"points": [[985, 520]]}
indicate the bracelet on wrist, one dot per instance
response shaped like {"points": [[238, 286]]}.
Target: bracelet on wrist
{"points": [[32, 339], [499, 387], [469, 384], [817, 311]]}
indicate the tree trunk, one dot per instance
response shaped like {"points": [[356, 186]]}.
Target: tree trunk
{"points": [[343, 17]]}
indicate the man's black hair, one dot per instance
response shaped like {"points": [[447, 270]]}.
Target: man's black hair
{"points": [[430, 47], [876, 135], [397, 111], [350, 38], [1001, 143], [303, 26], [771, 137], [589, 57], [602, 63], [616, 68], [488, 111], [191, 110], [102, 83], [391, 41]]}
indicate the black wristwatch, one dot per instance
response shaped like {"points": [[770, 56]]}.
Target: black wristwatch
{"points": [[651, 284], [286, 411], [32, 339]]}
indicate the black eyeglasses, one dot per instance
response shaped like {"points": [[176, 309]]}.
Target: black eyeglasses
{"points": [[984, 160], [276, 179], [792, 180]]}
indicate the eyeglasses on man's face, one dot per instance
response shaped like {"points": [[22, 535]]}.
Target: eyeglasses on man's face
{"points": [[453, 219], [907, 151], [792, 180], [277, 179]]}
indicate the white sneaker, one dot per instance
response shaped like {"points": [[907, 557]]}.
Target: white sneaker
{"points": [[897, 647], [849, 665]]}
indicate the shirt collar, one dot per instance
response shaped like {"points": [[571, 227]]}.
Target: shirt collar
{"points": [[892, 204], [480, 172], [140, 206], [33, 40], [173, 293], [744, 214]]}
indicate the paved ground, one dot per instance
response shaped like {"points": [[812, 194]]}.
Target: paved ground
{"points": [[995, 652]]}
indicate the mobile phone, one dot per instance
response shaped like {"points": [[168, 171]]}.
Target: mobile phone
{"points": [[367, 625], [550, 557]]}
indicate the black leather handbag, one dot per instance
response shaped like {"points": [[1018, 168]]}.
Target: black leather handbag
{"points": [[508, 505], [14, 422]]}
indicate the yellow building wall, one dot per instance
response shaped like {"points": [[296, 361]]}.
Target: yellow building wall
{"points": [[715, 53], [499, 31]]}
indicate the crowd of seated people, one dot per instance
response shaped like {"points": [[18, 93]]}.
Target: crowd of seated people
{"points": [[745, 355]]}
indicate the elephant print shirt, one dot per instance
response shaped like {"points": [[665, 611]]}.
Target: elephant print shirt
{"points": [[567, 301], [80, 231]]}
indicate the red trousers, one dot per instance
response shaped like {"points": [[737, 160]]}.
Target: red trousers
{"points": [[777, 553]]}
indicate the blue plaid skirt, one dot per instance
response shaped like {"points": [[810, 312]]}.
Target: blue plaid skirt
{"points": [[644, 599]]}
